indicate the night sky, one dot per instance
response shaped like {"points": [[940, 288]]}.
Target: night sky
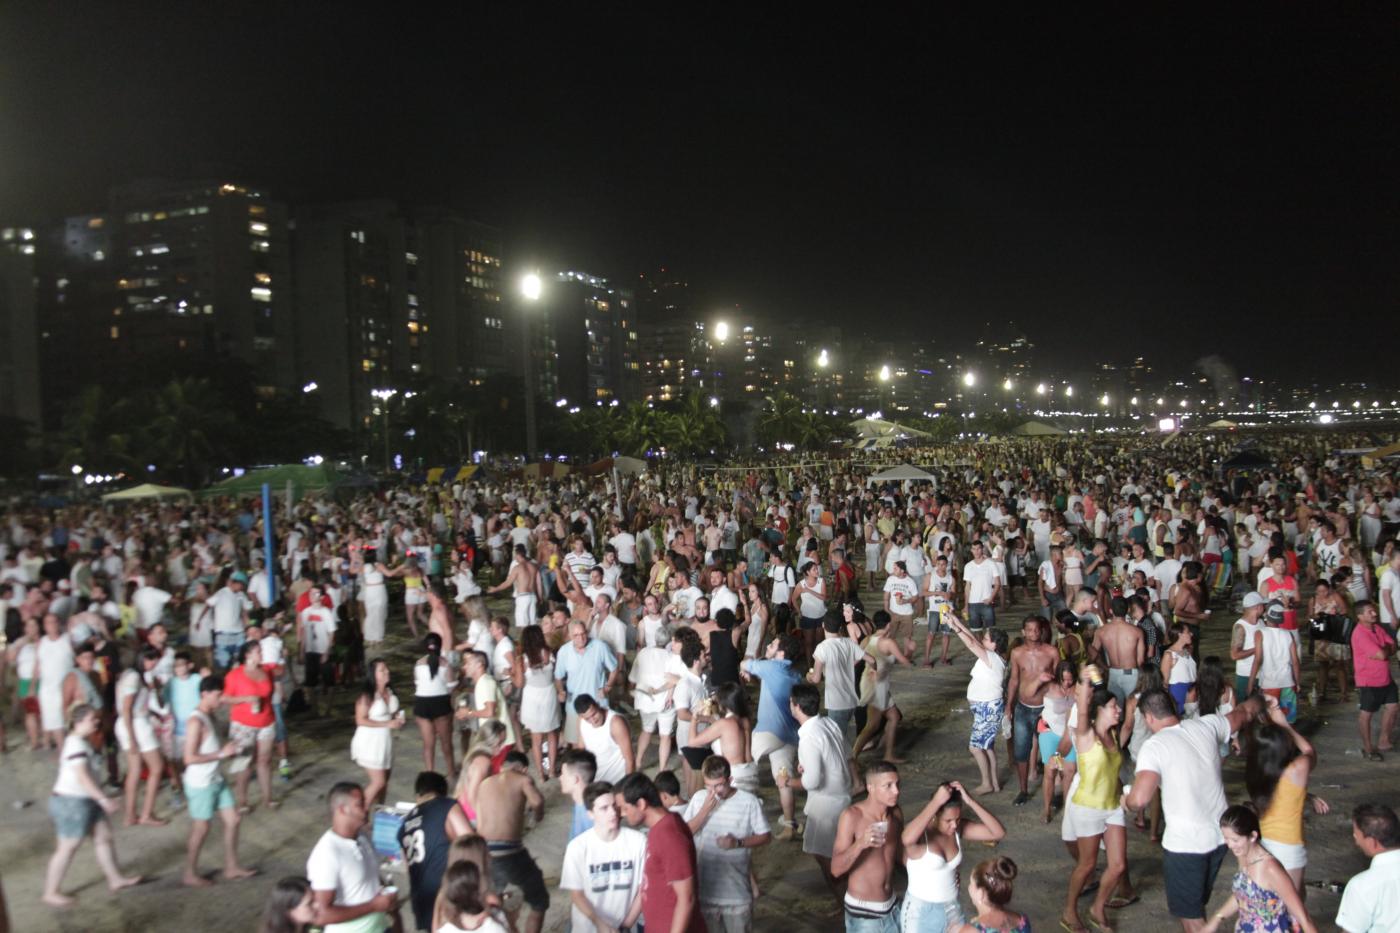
{"points": [[1117, 183]]}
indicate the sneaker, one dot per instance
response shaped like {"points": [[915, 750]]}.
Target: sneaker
{"points": [[284, 768]]}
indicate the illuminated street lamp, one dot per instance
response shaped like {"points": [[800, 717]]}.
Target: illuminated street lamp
{"points": [[531, 288], [1006, 384], [722, 331], [823, 359], [885, 373], [1069, 391], [383, 396], [1040, 389], [969, 379], [1104, 400]]}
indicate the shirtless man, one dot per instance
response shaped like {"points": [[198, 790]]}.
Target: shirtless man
{"points": [[501, 803], [867, 849], [524, 578], [1122, 647], [1025, 694]]}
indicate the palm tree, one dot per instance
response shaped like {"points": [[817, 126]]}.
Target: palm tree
{"points": [[187, 430], [782, 419], [640, 429], [96, 432]]}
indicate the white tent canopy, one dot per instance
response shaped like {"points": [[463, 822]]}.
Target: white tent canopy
{"points": [[903, 472], [867, 429], [1037, 429], [148, 491]]}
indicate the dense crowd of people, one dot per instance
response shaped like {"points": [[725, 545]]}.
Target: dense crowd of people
{"points": [[667, 632]]}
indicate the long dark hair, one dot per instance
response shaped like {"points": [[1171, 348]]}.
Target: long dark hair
{"points": [[1270, 750], [1210, 684], [533, 646], [433, 645], [369, 688], [288, 893], [461, 888]]}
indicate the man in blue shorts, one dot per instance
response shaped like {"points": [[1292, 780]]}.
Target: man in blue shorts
{"points": [[205, 788]]}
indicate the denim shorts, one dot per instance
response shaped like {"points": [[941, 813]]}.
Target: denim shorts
{"points": [[916, 916], [74, 817], [981, 615], [1024, 719], [226, 648]]}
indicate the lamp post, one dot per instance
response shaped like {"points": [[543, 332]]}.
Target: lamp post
{"points": [[531, 287], [383, 396]]}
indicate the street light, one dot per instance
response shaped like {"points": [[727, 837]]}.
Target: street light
{"points": [[1069, 391], [531, 287], [969, 379], [1040, 389], [383, 396], [1006, 384], [1104, 400], [885, 373], [823, 359], [76, 470], [721, 331]]}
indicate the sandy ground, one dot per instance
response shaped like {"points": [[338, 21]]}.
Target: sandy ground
{"points": [[933, 739]]}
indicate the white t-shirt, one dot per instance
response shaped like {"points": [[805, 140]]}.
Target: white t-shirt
{"points": [[813, 605], [985, 685], [1166, 573], [318, 624], [489, 924], [608, 873], [77, 754], [150, 604], [626, 546], [909, 588], [839, 657], [980, 579], [1187, 757], [228, 610], [722, 597], [1389, 583], [348, 867], [784, 579]]}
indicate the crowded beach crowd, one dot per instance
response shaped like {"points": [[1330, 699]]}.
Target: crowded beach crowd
{"points": [[665, 633]]}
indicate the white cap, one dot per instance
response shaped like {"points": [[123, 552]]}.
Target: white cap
{"points": [[1253, 599]]}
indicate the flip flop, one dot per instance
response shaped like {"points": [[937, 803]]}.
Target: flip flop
{"points": [[1118, 903], [1069, 929], [1376, 756], [1099, 926], [1021, 799]]}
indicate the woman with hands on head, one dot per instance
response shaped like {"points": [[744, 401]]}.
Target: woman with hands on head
{"points": [[1261, 894], [933, 853]]}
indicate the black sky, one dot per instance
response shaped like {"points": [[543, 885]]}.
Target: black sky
{"points": [[1164, 183]]}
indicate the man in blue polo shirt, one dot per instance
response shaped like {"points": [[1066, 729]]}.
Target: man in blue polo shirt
{"points": [[584, 667], [775, 734]]}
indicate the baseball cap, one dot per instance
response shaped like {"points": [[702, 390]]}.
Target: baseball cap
{"points": [[1275, 611], [1253, 599], [238, 577]]}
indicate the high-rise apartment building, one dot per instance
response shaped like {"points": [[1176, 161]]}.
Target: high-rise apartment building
{"points": [[674, 344], [390, 297], [19, 341], [583, 340]]}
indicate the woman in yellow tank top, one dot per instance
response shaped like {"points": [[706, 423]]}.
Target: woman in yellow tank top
{"points": [[1278, 764], [1093, 808]]}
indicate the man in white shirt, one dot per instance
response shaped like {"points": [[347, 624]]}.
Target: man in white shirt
{"points": [[1371, 901], [344, 871], [602, 868], [230, 606], [825, 776], [150, 605], [315, 636], [1182, 758], [684, 597], [727, 824], [1388, 588], [651, 694], [981, 587], [721, 596], [834, 661], [625, 543], [1166, 571]]}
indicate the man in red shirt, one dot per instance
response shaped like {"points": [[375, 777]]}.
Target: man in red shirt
{"points": [[1372, 647], [669, 900]]}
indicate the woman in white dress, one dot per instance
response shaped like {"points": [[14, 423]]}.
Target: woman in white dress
{"points": [[539, 702], [373, 584], [55, 661], [377, 718], [881, 653]]}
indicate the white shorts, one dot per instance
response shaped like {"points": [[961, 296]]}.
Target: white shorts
{"points": [[525, 613], [146, 739], [745, 776], [1081, 822], [665, 720], [1291, 857], [780, 754], [414, 596], [247, 736]]}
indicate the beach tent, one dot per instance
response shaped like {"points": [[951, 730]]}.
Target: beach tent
{"points": [[302, 479], [1037, 429], [148, 491], [884, 432], [901, 473]]}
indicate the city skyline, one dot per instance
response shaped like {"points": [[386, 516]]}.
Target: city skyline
{"points": [[1092, 181]]}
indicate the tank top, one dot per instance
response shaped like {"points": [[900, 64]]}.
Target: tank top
{"points": [[931, 879], [1283, 821], [612, 766], [203, 773], [1099, 786], [92, 695]]}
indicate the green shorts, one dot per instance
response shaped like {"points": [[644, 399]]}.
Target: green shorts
{"points": [[203, 801]]}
